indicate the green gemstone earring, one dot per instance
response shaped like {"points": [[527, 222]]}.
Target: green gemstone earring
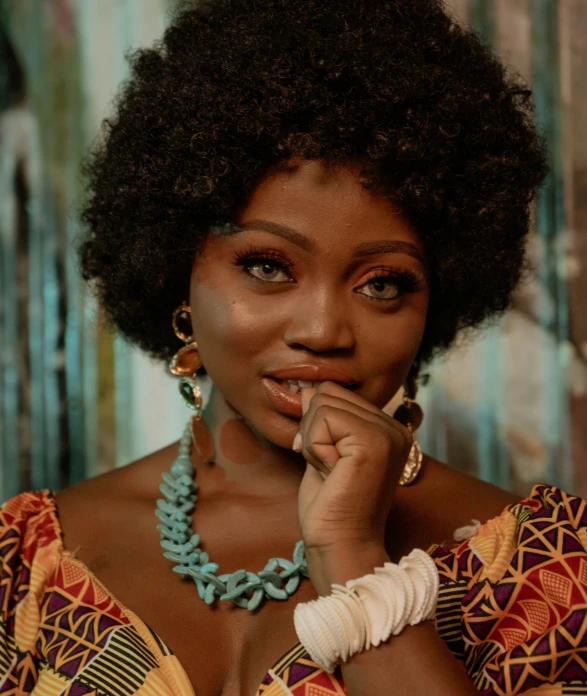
{"points": [[280, 577], [185, 364]]}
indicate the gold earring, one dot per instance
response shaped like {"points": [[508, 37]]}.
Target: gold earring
{"points": [[185, 364], [412, 416]]}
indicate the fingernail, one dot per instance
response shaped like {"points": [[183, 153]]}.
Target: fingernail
{"points": [[297, 443]]}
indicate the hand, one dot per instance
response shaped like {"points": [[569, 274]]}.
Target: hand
{"points": [[355, 455]]}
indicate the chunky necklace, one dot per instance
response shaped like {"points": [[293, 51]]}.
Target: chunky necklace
{"points": [[278, 580]]}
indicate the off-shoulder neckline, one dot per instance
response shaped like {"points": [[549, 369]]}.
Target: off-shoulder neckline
{"points": [[142, 626]]}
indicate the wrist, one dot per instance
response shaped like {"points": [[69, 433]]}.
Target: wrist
{"points": [[380, 600], [340, 563]]}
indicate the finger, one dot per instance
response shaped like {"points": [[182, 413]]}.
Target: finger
{"points": [[348, 395], [334, 436], [371, 415], [323, 433], [312, 402], [383, 421], [307, 394], [322, 467], [317, 465]]}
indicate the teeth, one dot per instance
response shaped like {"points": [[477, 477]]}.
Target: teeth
{"points": [[295, 386]]}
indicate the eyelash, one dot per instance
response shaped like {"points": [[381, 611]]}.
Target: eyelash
{"points": [[252, 255], [406, 281]]}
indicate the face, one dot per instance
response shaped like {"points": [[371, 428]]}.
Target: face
{"points": [[320, 274]]}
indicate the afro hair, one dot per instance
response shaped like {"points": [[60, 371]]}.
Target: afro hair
{"points": [[238, 87]]}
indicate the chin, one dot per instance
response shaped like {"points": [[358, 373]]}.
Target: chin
{"points": [[276, 428]]}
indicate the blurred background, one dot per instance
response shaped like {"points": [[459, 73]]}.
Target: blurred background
{"points": [[509, 406]]}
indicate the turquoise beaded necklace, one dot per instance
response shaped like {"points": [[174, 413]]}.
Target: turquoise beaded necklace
{"points": [[278, 580]]}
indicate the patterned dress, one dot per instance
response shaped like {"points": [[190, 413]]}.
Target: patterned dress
{"points": [[512, 606]]}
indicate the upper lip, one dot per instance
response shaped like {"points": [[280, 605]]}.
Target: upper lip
{"points": [[314, 373]]}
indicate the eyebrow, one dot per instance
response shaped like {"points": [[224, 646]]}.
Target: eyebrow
{"points": [[383, 246]]}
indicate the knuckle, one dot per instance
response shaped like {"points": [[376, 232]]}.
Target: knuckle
{"points": [[390, 442], [323, 409], [382, 440], [402, 435], [310, 455]]}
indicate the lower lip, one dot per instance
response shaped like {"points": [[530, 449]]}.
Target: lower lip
{"points": [[282, 398]]}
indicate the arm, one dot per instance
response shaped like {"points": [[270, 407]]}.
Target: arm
{"points": [[415, 663]]}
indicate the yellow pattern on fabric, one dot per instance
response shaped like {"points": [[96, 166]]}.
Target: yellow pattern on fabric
{"points": [[512, 607], [494, 545]]}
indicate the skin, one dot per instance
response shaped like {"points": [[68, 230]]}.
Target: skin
{"points": [[244, 328], [260, 496]]}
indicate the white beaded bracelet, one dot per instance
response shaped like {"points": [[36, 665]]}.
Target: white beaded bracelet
{"points": [[368, 610]]}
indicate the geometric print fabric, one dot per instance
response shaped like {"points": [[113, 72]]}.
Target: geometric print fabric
{"points": [[525, 632], [512, 606]]}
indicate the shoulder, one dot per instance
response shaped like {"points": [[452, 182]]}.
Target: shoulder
{"points": [[91, 513], [442, 500], [30, 542], [513, 588], [28, 520], [461, 496]]}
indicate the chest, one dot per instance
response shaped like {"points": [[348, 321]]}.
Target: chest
{"points": [[225, 650]]}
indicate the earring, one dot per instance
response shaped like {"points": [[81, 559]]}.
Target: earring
{"points": [[185, 364], [411, 415]]}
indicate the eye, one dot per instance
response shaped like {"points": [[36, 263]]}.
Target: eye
{"points": [[268, 266], [390, 286], [268, 271]]}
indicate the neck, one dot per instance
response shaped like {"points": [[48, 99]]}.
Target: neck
{"points": [[246, 460]]}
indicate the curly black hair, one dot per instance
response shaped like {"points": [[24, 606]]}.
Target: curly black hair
{"points": [[238, 87]]}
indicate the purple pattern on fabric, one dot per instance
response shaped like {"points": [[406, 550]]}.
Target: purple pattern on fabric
{"points": [[57, 603], [106, 622], [299, 672]]}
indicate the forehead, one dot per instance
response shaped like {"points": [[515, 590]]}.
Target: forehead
{"points": [[328, 204]]}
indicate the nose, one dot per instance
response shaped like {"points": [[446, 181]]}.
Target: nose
{"points": [[320, 322]]}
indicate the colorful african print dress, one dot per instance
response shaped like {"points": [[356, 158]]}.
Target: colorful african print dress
{"points": [[512, 607]]}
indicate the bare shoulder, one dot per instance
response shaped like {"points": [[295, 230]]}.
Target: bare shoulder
{"points": [[444, 499], [466, 495], [93, 510]]}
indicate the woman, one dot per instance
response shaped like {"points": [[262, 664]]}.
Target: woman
{"points": [[307, 201]]}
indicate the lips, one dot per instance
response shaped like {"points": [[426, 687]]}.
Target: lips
{"points": [[284, 400]]}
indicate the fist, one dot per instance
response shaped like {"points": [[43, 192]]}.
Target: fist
{"points": [[355, 454]]}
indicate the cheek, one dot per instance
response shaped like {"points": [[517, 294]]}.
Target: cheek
{"points": [[389, 352], [229, 325], [398, 336], [219, 321]]}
